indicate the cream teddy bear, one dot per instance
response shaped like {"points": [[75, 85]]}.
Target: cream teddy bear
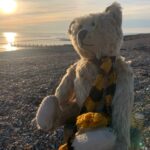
{"points": [[86, 85]]}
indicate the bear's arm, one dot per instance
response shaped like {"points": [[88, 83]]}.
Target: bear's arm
{"points": [[86, 73], [122, 104], [65, 89]]}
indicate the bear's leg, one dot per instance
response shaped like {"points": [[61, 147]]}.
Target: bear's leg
{"points": [[100, 139], [50, 116], [47, 113]]}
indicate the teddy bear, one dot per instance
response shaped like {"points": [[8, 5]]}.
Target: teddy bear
{"points": [[95, 97]]}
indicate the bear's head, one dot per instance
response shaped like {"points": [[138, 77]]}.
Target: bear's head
{"points": [[98, 35]]}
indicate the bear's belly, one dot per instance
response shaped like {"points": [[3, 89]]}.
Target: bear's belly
{"points": [[99, 139]]}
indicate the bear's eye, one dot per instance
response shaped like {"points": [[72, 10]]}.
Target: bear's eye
{"points": [[93, 24]]}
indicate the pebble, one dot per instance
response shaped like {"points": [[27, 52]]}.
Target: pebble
{"points": [[19, 100]]}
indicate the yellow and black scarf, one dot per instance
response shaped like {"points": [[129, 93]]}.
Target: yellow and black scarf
{"points": [[97, 109]]}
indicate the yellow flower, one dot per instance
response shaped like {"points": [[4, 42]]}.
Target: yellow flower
{"points": [[92, 120], [63, 147]]}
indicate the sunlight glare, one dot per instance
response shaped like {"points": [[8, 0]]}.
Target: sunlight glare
{"points": [[8, 6], [10, 37]]}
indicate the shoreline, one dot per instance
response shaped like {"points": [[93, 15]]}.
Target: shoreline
{"points": [[50, 47], [38, 48]]}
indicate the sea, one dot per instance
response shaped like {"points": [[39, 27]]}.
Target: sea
{"points": [[12, 41]]}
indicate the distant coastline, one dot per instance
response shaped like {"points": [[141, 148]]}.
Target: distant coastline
{"points": [[136, 36], [46, 42], [11, 41]]}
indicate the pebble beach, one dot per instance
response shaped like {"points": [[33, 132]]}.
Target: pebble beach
{"points": [[27, 76]]}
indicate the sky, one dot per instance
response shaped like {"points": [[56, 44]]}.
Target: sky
{"points": [[54, 16]]}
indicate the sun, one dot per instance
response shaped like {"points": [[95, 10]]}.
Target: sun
{"points": [[8, 6]]}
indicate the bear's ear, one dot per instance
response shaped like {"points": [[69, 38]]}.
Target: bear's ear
{"points": [[69, 30], [115, 11]]}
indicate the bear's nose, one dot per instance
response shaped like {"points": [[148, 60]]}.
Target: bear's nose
{"points": [[82, 34]]}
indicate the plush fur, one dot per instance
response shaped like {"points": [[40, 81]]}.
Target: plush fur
{"points": [[93, 37]]}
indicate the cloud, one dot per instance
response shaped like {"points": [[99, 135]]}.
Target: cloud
{"points": [[138, 11], [39, 12]]}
